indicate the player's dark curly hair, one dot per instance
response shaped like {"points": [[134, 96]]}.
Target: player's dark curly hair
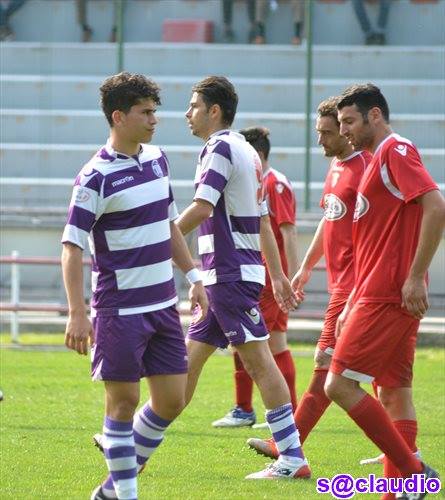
{"points": [[124, 90], [328, 107], [218, 90], [258, 137], [365, 97]]}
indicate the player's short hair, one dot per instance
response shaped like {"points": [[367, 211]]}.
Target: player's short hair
{"points": [[365, 97], [328, 107], [258, 137], [219, 90], [124, 90]]}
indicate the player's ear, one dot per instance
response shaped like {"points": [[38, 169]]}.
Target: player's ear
{"points": [[375, 114], [117, 117]]}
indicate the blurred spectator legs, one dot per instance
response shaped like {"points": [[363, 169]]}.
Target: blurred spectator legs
{"points": [[229, 35], [377, 36], [262, 8], [87, 31], [7, 8]]}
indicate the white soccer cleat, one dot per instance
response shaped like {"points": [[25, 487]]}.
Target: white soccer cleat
{"points": [[98, 494], [371, 461], [98, 441], [236, 417], [379, 459], [263, 425], [280, 470]]}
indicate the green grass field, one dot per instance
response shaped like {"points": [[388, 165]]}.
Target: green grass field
{"points": [[51, 409]]}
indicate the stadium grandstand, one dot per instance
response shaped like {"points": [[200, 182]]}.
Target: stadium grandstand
{"points": [[51, 123]]}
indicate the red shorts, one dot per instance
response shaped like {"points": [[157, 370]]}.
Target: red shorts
{"points": [[326, 342], [377, 342], [274, 317]]}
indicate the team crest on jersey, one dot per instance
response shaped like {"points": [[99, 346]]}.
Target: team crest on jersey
{"points": [[334, 208], [279, 187], [82, 195], [157, 170], [361, 206]]}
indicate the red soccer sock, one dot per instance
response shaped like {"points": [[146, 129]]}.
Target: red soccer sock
{"points": [[408, 430], [372, 418], [312, 405], [243, 385], [286, 365]]}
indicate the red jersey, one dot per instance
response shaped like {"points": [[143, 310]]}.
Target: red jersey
{"points": [[338, 201], [282, 207], [387, 220]]}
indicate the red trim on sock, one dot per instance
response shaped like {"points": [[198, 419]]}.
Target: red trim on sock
{"points": [[372, 418]]}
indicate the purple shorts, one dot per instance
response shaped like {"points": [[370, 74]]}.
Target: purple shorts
{"points": [[234, 315], [128, 348]]}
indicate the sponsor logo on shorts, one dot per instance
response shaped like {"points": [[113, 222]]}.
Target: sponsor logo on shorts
{"points": [[230, 334], [253, 315], [128, 178], [334, 208], [361, 206], [157, 170]]}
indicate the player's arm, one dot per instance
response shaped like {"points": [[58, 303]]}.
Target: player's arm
{"points": [[280, 284], [312, 256], [414, 292], [196, 213], [182, 258], [290, 242], [78, 328]]}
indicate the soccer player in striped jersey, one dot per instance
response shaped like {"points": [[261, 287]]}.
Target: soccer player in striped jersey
{"points": [[398, 223], [123, 204], [333, 239], [282, 207], [233, 229]]}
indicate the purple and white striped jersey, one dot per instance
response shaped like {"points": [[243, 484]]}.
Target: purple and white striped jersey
{"points": [[124, 205], [229, 176]]}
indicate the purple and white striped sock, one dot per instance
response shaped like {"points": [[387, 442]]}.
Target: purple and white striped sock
{"points": [[285, 434], [120, 455], [148, 431]]}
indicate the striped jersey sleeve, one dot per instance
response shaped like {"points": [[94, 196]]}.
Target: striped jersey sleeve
{"points": [[86, 206], [216, 170]]}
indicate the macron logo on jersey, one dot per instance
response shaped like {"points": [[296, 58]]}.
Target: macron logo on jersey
{"points": [[401, 149], [128, 178]]}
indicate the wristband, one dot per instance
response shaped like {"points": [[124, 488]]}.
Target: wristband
{"points": [[193, 276]]}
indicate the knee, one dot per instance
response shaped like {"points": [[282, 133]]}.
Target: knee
{"points": [[334, 389], [123, 409]]}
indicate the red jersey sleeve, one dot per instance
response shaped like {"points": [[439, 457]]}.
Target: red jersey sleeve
{"points": [[282, 203], [407, 171]]}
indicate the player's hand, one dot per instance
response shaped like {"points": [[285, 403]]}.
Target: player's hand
{"points": [[341, 320], [283, 294], [199, 303], [77, 333], [415, 297], [299, 280]]}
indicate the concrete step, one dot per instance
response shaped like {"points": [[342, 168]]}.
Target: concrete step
{"points": [[75, 126], [255, 94], [65, 160], [345, 62], [409, 22]]}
